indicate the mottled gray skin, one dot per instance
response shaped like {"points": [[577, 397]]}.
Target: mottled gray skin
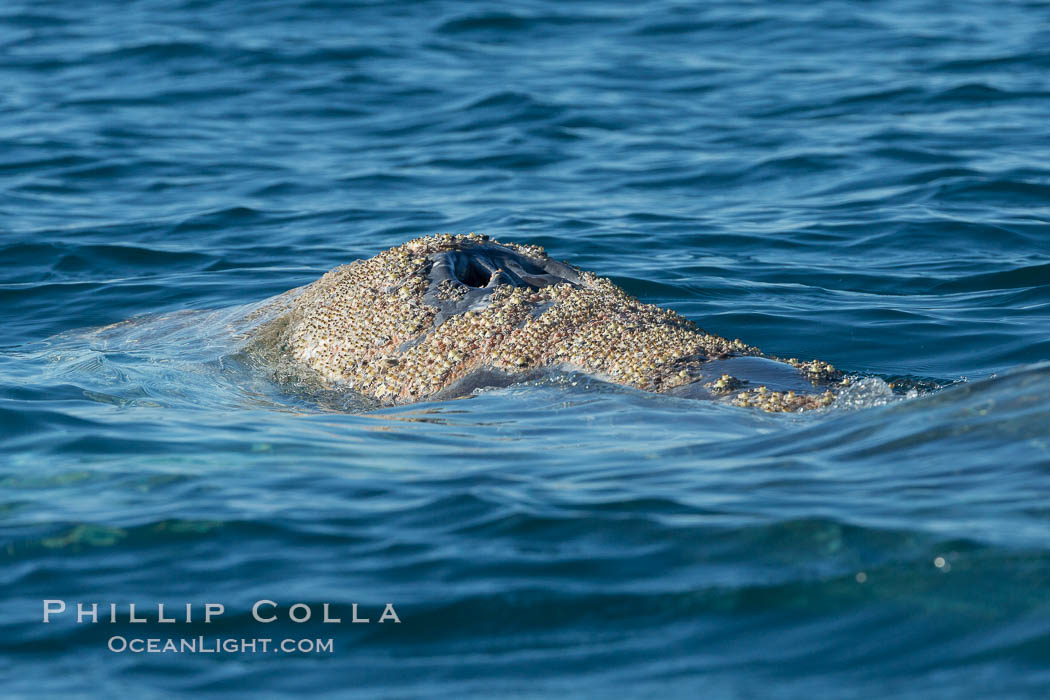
{"points": [[442, 315]]}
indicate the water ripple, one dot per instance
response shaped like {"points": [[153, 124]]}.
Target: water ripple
{"points": [[867, 184]]}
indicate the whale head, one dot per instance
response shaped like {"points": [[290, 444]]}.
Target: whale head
{"points": [[440, 315]]}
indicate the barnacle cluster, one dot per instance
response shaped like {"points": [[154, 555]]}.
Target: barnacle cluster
{"points": [[782, 401], [814, 370], [413, 320], [725, 384]]}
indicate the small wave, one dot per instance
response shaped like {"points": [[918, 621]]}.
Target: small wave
{"points": [[982, 93], [1025, 277], [979, 63], [503, 23]]}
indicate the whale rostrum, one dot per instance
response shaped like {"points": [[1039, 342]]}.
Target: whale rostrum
{"points": [[440, 315]]}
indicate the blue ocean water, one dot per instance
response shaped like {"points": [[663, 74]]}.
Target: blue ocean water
{"points": [[867, 183]]}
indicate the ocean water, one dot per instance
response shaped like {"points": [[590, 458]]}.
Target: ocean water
{"points": [[863, 182]]}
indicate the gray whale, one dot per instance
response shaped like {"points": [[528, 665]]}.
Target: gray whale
{"points": [[441, 315]]}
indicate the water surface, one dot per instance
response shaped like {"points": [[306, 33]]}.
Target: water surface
{"points": [[866, 183]]}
